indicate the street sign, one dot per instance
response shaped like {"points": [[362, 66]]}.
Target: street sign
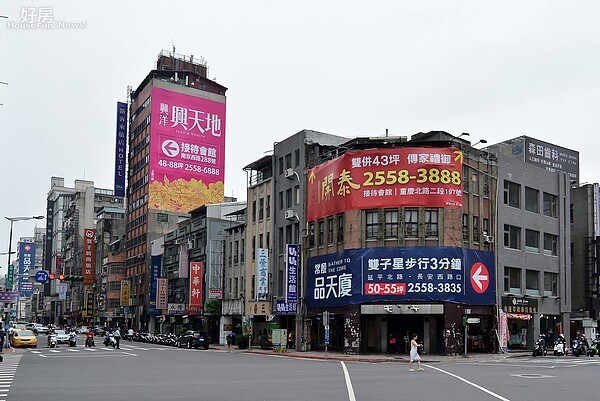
{"points": [[41, 276], [480, 278], [10, 278], [473, 320], [326, 334]]}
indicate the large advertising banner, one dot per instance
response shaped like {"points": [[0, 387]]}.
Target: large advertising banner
{"points": [[398, 274], [375, 178], [89, 255], [551, 157], [291, 260], [187, 151], [121, 149], [26, 263], [162, 287], [195, 284], [125, 292]]}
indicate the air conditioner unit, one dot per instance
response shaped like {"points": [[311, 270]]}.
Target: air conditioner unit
{"points": [[289, 173], [190, 244], [178, 241], [488, 238], [289, 214]]}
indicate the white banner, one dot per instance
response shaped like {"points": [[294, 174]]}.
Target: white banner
{"points": [[262, 274], [62, 292]]}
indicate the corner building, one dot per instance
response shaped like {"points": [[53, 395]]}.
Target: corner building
{"points": [[176, 163], [396, 245]]}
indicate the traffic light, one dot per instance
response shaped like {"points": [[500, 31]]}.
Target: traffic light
{"points": [[72, 277]]}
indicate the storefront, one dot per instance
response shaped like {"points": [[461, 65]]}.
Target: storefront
{"points": [[517, 322]]}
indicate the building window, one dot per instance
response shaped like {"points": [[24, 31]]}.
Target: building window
{"points": [[550, 244], [330, 231], [236, 252], [229, 287], [260, 241], [532, 282], [550, 205], [243, 253], [297, 157], [311, 235], [486, 226], [281, 165], [372, 225], [550, 284], [253, 247], [253, 210], [288, 160], [532, 200], [268, 205], [512, 194], [465, 175], [411, 223], [512, 280], [236, 291], [512, 237], [281, 200], [391, 223], [431, 223], [532, 241], [475, 228], [475, 183], [280, 241], [261, 209], [297, 195], [486, 185], [340, 232], [288, 198], [465, 227], [321, 232]]}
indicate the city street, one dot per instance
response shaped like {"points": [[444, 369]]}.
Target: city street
{"points": [[140, 371]]}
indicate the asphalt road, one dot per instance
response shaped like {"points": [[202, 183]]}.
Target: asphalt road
{"points": [[141, 371]]}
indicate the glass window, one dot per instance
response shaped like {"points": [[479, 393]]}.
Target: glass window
{"points": [[512, 194], [550, 284], [550, 244], [253, 210], [475, 228], [321, 232], [391, 223], [261, 208], [486, 185], [340, 233], [311, 235], [297, 195], [474, 183], [550, 205], [465, 227], [281, 200], [281, 165], [372, 224], [431, 223], [288, 160], [532, 200], [532, 282], [465, 176], [268, 206], [512, 280], [330, 230], [297, 157], [243, 253], [288, 197], [512, 237], [411, 223], [532, 241]]}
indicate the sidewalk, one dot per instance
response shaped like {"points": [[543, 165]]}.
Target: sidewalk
{"points": [[378, 358]]}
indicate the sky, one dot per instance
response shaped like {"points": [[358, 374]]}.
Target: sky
{"points": [[496, 70]]}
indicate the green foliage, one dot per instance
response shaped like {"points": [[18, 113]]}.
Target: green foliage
{"points": [[213, 307], [241, 341]]}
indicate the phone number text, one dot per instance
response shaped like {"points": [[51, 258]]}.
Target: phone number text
{"points": [[189, 167], [404, 288]]}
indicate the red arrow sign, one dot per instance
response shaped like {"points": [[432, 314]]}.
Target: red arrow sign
{"points": [[480, 278]]}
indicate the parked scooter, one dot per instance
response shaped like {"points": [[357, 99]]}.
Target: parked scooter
{"points": [[593, 348], [560, 348], [578, 347]]}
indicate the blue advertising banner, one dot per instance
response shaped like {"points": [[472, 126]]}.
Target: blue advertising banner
{"points": [[155, 263], [26, 264], [364, 275], [121, 149], [291, 261], [285, 308]]}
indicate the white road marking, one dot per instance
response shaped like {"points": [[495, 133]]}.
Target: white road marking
{"points": [[351, 396], [485, 390], [129, 353]]}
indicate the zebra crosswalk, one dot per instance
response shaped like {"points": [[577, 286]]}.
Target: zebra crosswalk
{"points": [[8, 368], [62, 350]]}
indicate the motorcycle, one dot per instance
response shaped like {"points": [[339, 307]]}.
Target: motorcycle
{"points": [[89, 341], [72, 340], [579, 348], [109, 340], [560, 348], [593, 349], [539, 348], [52, 343]]}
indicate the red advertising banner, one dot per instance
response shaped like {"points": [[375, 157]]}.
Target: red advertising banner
{"points": [[375, 178], [59, 269], [195, 284], [89, 253]]}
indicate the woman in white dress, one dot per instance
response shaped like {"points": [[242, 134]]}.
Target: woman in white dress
{"points": [[414, 354]]}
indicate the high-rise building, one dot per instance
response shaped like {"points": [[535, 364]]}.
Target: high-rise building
{"points": [[176, 161]]}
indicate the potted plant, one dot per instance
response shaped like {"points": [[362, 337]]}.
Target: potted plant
{"points": [[242, 340], [263, 341]]}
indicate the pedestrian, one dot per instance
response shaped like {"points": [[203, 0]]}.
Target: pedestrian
{"points": [[393, 344], [2, 337], [290, 340], [230, 340], [130, 334], [414, 354], [117, 336]]}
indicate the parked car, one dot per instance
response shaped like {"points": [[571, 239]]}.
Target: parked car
{"points": [[99, 331], [23, 338], [62, 337], [37, 328], [82, 330], [193, 339]]}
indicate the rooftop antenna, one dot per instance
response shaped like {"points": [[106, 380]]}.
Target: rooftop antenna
{"points": [[386, 132]]}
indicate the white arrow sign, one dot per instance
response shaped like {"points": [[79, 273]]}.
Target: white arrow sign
{"points": [[170, 148], [478, 278]]}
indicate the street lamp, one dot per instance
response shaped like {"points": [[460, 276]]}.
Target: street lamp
{"points": [[463, 134], [480, 141], [12, 220]]}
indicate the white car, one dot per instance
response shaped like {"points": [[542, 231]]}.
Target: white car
{"points": [[82, 330], [62, 337]]}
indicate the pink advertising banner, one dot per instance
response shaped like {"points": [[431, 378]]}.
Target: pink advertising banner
{"points": [[187, 151]]}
